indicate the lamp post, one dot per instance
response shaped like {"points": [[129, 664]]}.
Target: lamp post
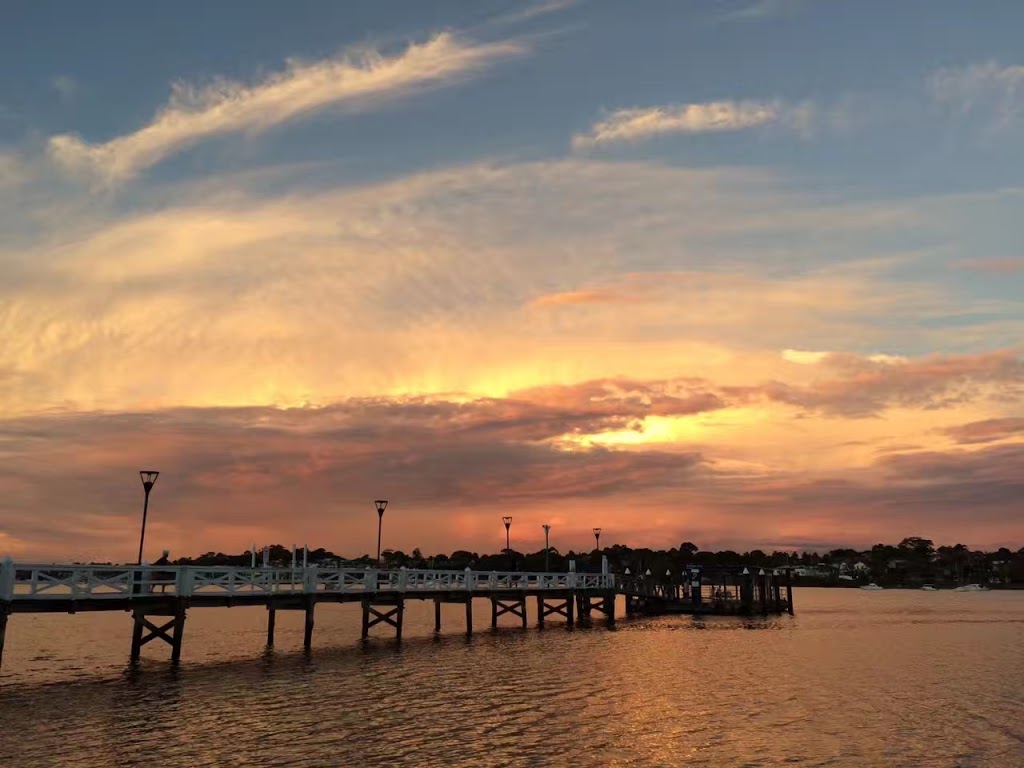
{"points": [[597, 538], [149, 477], [508, 549], [547, 547], [381, 505]]}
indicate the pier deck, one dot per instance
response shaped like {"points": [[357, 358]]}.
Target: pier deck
{"points": [[166, 593]]}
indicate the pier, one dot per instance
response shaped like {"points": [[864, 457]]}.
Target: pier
{"points": [[159, 597]]}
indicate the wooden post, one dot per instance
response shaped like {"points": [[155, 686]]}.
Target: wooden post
{"points": [[469, 614], [763, 586], [609, 607], [568, 609], [523, 604], [540, 611], [136, 634], [179, 631], [307, 640], [398, 618], [437, 614], [5, 611], [271, 620], [366, 619], [747, 592], [789, 592], [494, 612]]}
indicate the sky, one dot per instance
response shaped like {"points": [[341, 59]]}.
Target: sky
{"points": [[747, 273]]}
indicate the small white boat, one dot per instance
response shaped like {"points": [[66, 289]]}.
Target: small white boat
{"points": [[872, 586], [971, 588], [928, 588]]}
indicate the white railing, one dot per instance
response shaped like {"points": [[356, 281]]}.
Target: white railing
{"points": [[34, 581]]}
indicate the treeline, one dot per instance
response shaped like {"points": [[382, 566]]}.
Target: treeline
{"points": [[913, 561]]}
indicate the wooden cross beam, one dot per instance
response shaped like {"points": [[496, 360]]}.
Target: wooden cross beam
{"points": [[561, 608], [383, 616], [517, 608], [156, 631]]}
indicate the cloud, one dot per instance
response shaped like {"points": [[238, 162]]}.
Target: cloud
{"points": [[534, 11], [66, 87], [866, 386], [482, 279], [989, 430], [762, 9], [355, 80], [1009, 265], [990, 90], [452, 466], [803, 356], [628, 125]]}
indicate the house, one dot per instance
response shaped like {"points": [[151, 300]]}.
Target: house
{"points": [[861, 567]]}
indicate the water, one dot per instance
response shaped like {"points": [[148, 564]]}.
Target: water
{"points": [[894, 678]]}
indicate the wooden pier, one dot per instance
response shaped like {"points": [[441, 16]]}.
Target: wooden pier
{"points": [[714, 591], [159, 597]]}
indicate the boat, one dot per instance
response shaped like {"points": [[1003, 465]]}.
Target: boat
{"points": [[971, 588], [928, 588], [872, 586]]}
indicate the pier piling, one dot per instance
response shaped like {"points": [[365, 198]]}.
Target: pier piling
{"points": [[307, 639], [170, 632], [5, 610], [271, 621]]}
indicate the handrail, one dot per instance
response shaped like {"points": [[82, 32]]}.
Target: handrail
{"points": [[42, 581]]}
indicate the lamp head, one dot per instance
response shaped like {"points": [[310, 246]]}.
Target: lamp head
{"points": [[381, 505], [507, 521], [149, 477]]}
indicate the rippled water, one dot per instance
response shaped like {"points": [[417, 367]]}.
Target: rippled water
{"points": [[854, 679]]}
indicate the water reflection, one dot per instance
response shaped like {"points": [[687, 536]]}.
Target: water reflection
{"points": [[845, 682]]}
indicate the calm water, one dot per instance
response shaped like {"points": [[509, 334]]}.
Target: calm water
{"points": [[893, 678]]}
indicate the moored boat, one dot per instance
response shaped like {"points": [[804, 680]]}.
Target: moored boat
{"points": [[971, 588], [872, 586]]}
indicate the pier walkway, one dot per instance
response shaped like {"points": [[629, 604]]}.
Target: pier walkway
{"points": [[159, 597]]}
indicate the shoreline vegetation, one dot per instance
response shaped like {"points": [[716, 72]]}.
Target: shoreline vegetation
{"points": [[912, 563]]}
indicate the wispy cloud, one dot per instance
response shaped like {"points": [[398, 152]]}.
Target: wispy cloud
{"points": [[985, 89], [1009, 265], [530, 12], [761, 9], [354, 80], [637, 124], [65, 86], [987, 431]]}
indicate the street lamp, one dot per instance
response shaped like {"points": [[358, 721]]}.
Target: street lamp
{"points": [[149, 477], [508, 549], [547, 547], [597, 538], [381, 505]]}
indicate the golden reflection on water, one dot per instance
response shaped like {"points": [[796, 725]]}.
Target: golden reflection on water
{"points": [[855, 679]]}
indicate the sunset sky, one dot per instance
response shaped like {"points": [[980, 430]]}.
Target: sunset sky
{"points": [[743, 272]]}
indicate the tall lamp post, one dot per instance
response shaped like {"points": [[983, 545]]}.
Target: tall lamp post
{"points": [[547, 547], [149, 477], [597, 538], [381, 505], [508, 549]]}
